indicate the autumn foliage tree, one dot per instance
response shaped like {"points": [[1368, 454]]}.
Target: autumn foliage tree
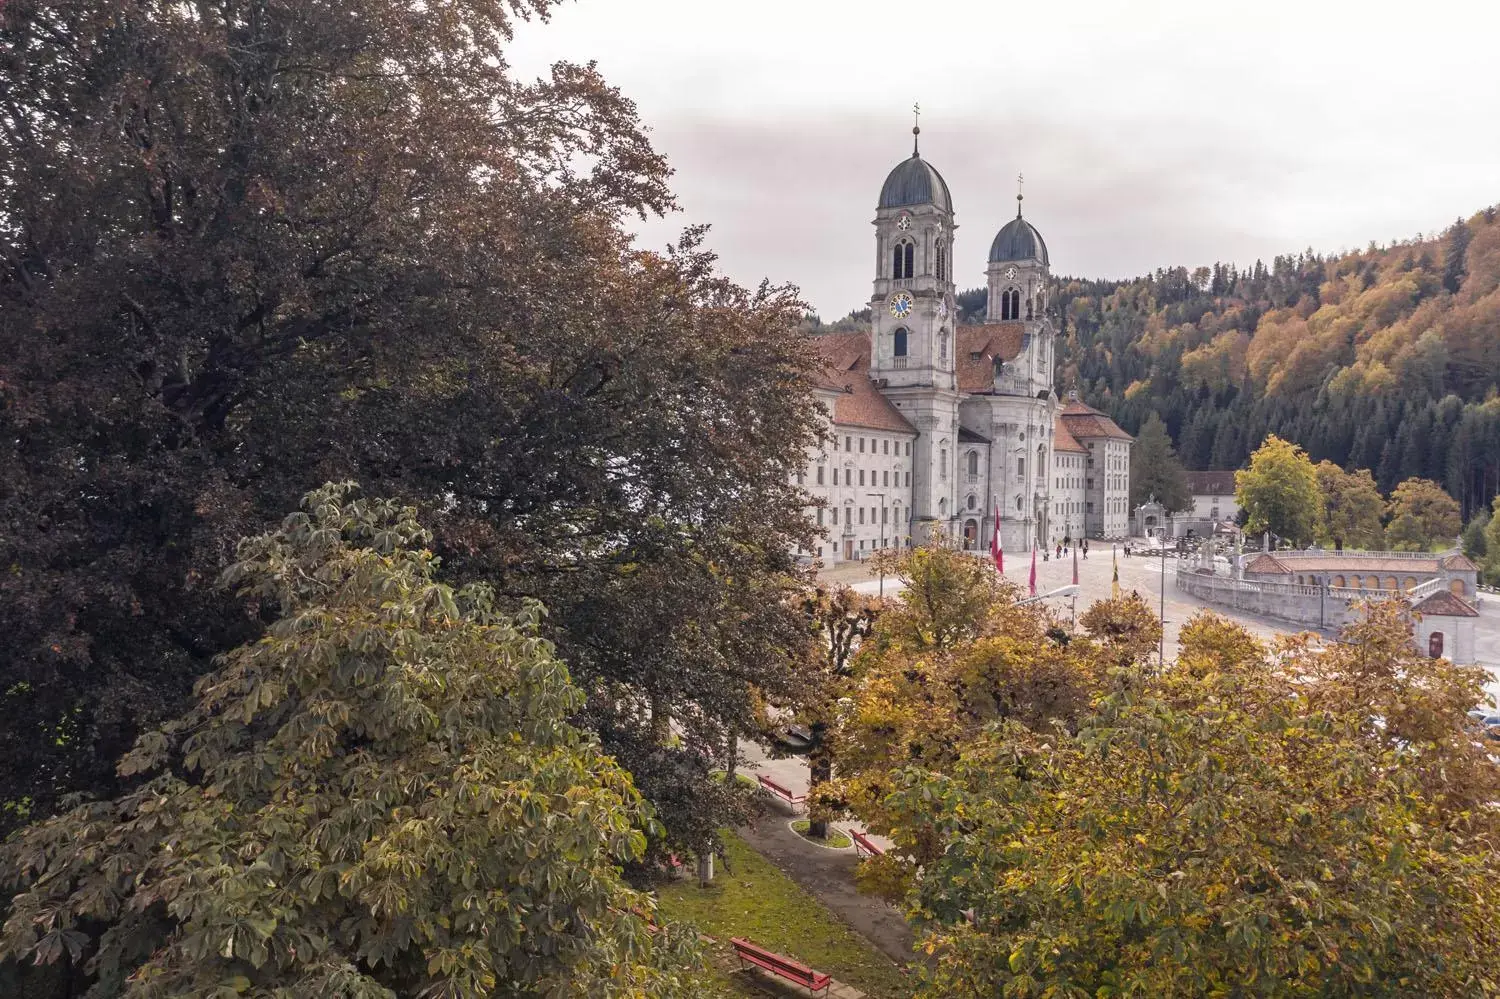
{"points": [[382, 796], [1308, 823], [840, 619], [1279, 492], [1421, 514], [249, 247], [1352, 507]]}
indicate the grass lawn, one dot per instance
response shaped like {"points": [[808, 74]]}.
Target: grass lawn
{"points": [[753, 899], [836, 840]]}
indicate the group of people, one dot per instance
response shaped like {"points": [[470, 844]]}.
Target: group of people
{"points": [[1065, 546]]}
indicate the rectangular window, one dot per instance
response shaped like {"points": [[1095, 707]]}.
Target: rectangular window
{"points": [[861, 476], [885, 447], [846, 443], [848, 477], [885, 478], [834, 515], [861, 520], [861, 445], [800, 478], [1091, 483], [820, 475], [908, 449], [820, 516], [1091, 507], [1020, 468], [885, 515]]}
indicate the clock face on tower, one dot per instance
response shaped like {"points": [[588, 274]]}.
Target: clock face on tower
{"points": [[900, 305]]}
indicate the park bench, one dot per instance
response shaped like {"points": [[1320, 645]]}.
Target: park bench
{"points": [[862, 845], [780, 966], [783, 793]]}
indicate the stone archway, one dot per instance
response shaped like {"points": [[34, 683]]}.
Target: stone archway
{"points": [[971, 533], [1435, 645]]}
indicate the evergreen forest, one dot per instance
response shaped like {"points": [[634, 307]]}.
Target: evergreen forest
{"points": [[1387, 358]]}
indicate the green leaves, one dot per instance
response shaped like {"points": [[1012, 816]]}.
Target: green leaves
{"points": [[347, 818]]}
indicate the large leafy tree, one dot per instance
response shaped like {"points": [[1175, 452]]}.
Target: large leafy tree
{"points": [[247, 246], [1308, 823], [1155, 470], [382, 796], [1352, 506], [1421, 514], [840, 619], [1279, 492]]}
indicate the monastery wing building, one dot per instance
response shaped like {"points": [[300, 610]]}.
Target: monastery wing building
{"points": [[934, 424]]}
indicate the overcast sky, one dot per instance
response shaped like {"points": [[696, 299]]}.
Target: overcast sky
{"points": [[1150, 133]]}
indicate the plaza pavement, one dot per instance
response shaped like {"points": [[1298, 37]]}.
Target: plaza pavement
{"points": [[1144, 575]]}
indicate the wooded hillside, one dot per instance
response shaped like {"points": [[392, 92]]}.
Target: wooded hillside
{"points": [[1387, 358]]}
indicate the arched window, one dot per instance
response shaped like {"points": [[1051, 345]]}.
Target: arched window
{"points": [[1390, 583], [1457, 586], [943, 346], [1010, 304], [896, 261], [901, 342], [1373, 583], [910, 254], [942, 264], [973, 465], [1338, 581]]}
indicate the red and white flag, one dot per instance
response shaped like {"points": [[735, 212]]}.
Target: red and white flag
{"points": [[1033, 570], [997, 550]]}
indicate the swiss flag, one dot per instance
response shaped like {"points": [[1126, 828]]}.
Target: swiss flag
{"points": [[997, 550]]}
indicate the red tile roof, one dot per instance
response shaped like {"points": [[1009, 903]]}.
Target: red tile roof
{"points": [[1086, 421], [988, 341], [1211, 483], [1334, 562], [1266, 563], [846, 371], [1444, 603], [1459, 563], [1063, 441]]}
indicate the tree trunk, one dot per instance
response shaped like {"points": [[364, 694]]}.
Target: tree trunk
{"points": [[820, 771], [661, 721]]}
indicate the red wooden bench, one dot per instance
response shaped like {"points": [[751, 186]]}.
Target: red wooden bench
{"points": [[863, 846], [781, 967], [783, 793]]}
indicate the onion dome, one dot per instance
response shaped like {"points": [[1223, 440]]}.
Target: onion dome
{"points": [[915, 182]]}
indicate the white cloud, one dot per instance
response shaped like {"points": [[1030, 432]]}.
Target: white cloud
{"points": [[1151, 133]]}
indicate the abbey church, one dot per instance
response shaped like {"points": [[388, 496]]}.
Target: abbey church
{"points": [[936, 425]]}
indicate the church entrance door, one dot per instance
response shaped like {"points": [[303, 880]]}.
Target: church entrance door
{"points": [[848, 549], [1435, 645], [971, 533]]}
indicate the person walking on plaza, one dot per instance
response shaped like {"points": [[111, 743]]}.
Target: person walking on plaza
{"points": [[1085, 548]]}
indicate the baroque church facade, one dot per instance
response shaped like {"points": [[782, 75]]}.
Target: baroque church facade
{"points": [[934, 425]]}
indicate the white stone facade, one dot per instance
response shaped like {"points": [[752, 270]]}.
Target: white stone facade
{"points": [[957, 420]]}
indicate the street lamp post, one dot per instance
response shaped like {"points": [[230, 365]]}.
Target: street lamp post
{"points": [[882, 496]]}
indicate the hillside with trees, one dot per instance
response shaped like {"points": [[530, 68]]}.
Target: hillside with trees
{"points": [[1386, 358]]}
